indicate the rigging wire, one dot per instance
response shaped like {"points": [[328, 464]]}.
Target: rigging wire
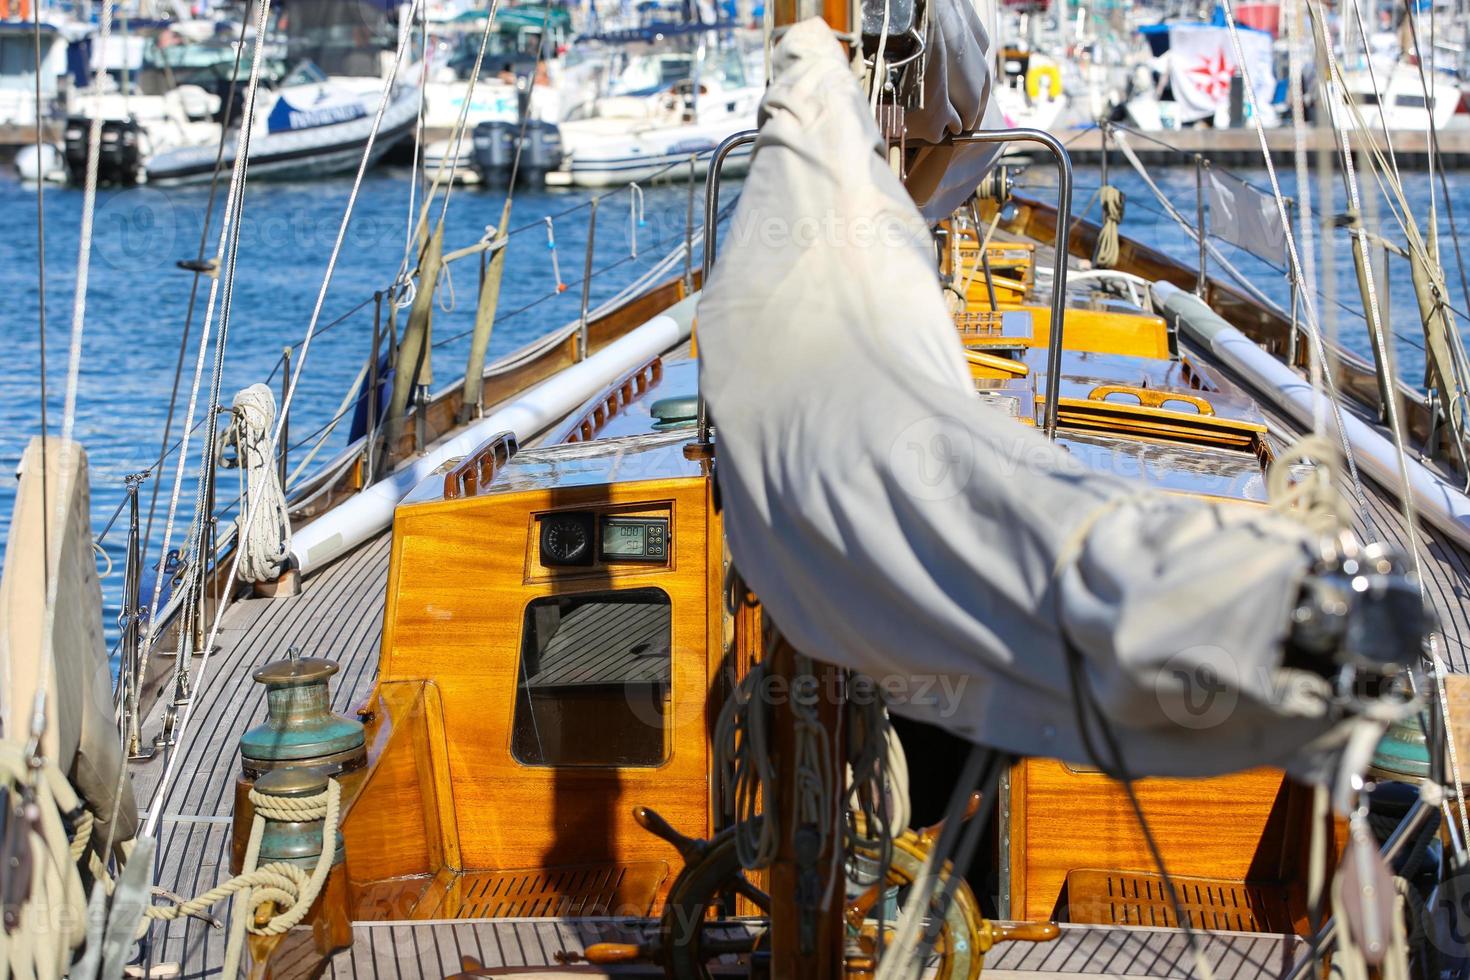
{"points": [[228, 224], [214, 176], [155, 809], [1308, 277], [1391, 402], [1308, 306], [41, 294], [1434, 151], [1374, 313], [84, 247], [73, 374]]}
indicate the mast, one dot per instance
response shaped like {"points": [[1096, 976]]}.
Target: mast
{"points": [[806, 876]]}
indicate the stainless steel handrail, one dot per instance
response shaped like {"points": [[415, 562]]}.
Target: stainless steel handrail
{"points": [[1059, 261], [712, 192], [711, 234]]}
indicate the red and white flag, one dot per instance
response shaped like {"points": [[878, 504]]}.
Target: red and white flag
{"points": [[1202, 61]]}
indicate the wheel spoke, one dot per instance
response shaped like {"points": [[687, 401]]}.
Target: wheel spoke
{"points": [[746, 890]]}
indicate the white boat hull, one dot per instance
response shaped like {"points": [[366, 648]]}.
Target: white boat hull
{"points": [[318, 151], [615, 171]]}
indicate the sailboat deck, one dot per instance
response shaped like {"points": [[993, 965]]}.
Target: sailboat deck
{"points": [[339, 615]]}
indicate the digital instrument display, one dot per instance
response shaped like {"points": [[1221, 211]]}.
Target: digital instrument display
{"points": [[635, 538]]}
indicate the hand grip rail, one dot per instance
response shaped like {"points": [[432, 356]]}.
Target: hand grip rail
{"points": [[479, 467]]}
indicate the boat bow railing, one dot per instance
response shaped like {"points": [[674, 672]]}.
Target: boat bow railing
{"points": [[1059, 267], [1055, 335]]}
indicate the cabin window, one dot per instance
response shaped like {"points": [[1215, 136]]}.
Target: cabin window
{"points": [[592, 688]]}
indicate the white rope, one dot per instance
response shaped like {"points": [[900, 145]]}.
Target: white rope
{"points": [[1313, 498], [263, 529], [1105, 255], [285, 885]]}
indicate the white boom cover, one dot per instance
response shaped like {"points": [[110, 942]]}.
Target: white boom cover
{"points": [[893, 524]]}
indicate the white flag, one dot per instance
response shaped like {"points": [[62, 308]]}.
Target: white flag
{"points": [[1202, 61]]}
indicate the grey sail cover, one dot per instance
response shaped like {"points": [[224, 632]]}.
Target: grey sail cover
{"points": [[956, 89], [893, 524]]}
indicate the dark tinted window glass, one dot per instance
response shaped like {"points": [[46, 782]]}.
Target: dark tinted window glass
{"points": [[593, 683]]}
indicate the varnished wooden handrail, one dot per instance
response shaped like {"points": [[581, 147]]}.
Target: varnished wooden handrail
{"points": [[1151, 397], [618, 396], [478, 468]]}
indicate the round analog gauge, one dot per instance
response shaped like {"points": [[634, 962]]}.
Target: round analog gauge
{"points": [[565, 541]]}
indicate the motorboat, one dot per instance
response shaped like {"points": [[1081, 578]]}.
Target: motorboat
{"points": [[662, 110], [314, 126]]}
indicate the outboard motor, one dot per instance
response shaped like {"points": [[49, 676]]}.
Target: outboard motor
{"points": [[540, 152], [495, 151], [120, 155]]}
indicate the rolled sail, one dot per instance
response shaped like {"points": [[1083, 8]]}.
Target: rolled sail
{"points": [[893, 524]]}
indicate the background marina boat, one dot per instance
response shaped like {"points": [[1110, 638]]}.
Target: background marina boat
{"points": [[663, 108], [142, 108], [522, 75], [60, 63], [315, 126], [1394, 94]]}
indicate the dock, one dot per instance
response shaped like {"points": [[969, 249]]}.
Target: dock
{"points": [[1242, 147]]}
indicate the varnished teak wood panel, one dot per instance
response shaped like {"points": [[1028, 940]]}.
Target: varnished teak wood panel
{"points": [[458, 591], [1242, 827]]}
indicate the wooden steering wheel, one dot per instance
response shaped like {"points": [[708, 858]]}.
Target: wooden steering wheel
{"points": [[687, 939]]}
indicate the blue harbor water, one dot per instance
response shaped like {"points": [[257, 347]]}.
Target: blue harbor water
{"points": [[138, 299]]}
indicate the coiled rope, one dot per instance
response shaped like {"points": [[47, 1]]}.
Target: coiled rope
{"points": [[877, 797], [1312, 498], [747, 777], [37, 941], [283, 884], [263, 527], [1105, 254]]}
